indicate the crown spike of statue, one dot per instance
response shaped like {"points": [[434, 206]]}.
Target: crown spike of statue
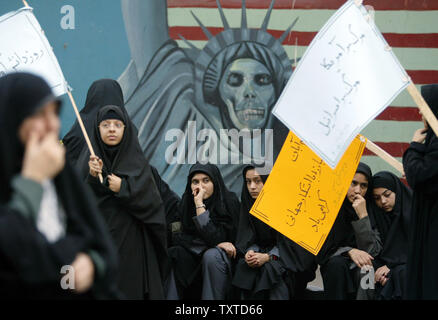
{"points": [[204, 58], [243, 24]]}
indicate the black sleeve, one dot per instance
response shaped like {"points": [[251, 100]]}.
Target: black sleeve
{"points": [[27, 253], [98, 188], [139, 195], [87, 231], [420, 163], [235, 212], [211, 231], [367, 238]]}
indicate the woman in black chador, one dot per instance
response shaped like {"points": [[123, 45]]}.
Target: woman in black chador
{"points": [[49, 220], [352, 243], [130, 203], [203, 252], [395, 200], [420, 162], [102, 92], [270, 266]]}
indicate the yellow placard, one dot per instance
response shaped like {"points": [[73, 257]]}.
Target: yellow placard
{"points": [[302, 195]]}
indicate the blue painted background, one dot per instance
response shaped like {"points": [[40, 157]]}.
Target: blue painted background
{"points": [[96, 48]]}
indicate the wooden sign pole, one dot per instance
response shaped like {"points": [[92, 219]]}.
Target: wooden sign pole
{"points": [[424, 107], [84, 132], [385, 156], [427, 114]]}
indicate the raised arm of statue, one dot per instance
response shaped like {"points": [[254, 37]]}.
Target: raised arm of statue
{"points": [[146, 28]]}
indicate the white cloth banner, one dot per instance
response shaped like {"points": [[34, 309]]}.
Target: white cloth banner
{"points": [[24, 48], [347, 77]]}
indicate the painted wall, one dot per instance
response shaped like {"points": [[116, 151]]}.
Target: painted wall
{"points": [[98, 46]]}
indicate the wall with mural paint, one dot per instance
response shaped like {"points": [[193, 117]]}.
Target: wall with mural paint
{"points": [[184, 66]]}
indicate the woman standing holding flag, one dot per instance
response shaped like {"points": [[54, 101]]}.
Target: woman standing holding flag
{"points": [[130, 203]]}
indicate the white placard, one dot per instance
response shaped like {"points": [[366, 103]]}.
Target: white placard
{"points": [[347, 76], [24, 48]]}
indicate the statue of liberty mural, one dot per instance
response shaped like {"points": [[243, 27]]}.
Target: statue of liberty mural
{"points": [[211, 105]]}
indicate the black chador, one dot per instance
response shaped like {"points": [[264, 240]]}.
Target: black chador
{"points": [[135, 214], [196, 259], [171, 202], [394, 228], [420, 162], [289, 268], [101, 93], [340, 274], [30, 260]]}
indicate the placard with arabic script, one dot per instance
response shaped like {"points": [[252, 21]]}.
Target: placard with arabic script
{"points": [[347, 76], [302, 195]]}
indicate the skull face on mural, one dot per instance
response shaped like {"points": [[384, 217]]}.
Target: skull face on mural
{"points": [[247, 90], [244, 80]]}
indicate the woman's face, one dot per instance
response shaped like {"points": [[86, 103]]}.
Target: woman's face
{"points": [[385, 198], [111, 131], [254, 183], [359, 185], [44, 121], [201, 180]]}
